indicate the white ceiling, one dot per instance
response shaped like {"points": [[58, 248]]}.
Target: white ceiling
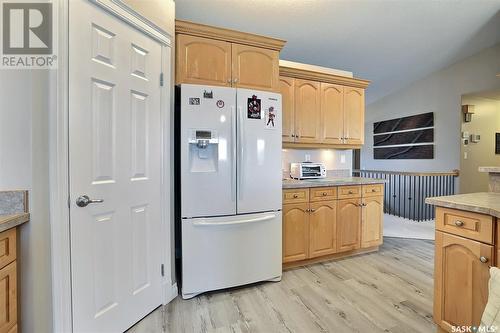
{"points": [[392, 43]]}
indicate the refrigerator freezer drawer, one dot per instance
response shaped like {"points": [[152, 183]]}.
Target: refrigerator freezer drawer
{"points": [[225, 252]]}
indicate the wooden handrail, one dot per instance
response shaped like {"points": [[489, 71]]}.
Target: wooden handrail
{"points": [[454, 173]]}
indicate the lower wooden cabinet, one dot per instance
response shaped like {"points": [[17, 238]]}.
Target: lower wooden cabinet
{"points": [[460, 280], [295, 232], [316, 224], [8, 297], [349, 225], [322, 228], [372, 224]]}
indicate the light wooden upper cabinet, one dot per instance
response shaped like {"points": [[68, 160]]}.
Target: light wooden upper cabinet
{"points": [[287, 90], [295, 232], [354, 111], [255, 68], [348, 224], [307, 111], [460, 281], [332, 113], [322, 228], [203, 61], [372, 221], [216, 56]]}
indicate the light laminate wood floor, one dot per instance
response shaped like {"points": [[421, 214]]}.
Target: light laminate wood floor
{"points": [[388, 291]]}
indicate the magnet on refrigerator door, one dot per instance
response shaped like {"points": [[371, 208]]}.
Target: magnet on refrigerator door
{"points": [[254, 108], [270, 117]]}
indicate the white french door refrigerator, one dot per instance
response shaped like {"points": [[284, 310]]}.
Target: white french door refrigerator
{"points": [[230, 149]]}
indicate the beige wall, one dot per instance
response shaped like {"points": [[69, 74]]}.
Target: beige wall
{"points": [[485, 122]]}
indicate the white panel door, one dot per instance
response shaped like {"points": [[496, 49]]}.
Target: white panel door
{"points": [[259, 151], [208, 174], [115, 155]]}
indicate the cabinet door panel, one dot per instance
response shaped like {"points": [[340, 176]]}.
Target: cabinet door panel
{"points": [[348, 224], [8, 297], [255, 68], [203, 61], [287, 86], [372, 222], [332, 113], [295, 232], [307, 111], [460, 280], [354, 113], [322, 228]]}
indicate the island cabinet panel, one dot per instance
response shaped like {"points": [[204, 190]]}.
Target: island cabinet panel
{"points": [[372, 221], [255, 68], [8, 297], [354, 110], [295, 232], [287, 90], [348, 224], [203, 61], [322, 228], [8, 247], [461, 280], [332, 113], [307, 111]]}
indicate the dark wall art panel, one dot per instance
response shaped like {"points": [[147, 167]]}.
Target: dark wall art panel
{"points": [[405, 123], [399, 138], [497, 143], [404, 152]]}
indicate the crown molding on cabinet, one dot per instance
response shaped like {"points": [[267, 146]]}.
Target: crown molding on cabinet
{"points": [[298, 145], [322, 77], [202, 30]]}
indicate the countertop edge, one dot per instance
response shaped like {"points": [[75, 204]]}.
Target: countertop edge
{"points": [[333, 183], [463, 206], [11, 221]]}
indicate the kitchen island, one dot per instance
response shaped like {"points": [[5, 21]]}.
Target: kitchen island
{"points": [[467, 244], [330, 218]]}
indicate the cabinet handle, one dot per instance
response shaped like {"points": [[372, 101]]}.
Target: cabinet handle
{"points": [[308, 210], [295, 196], [459, 223], [484, 260], [374, 190], [235, 80], [228, 81], [351, 192], [325, 194], [312, 210]]}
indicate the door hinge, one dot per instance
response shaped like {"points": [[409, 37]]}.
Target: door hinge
{"points": [[162, 270], [69, 202], [161, 79]]}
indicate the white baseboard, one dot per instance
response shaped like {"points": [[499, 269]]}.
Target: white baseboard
{"points": [[170, 293]]}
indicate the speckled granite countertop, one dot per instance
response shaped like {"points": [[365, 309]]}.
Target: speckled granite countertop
{"points": [[482, 202], [332, 181], [13, 220], [491, 169]]}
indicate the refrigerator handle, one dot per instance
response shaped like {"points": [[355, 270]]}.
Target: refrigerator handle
{"points": [[241, 152], [233, 153], [203, 222]]}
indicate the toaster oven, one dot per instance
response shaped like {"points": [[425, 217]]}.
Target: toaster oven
{"points": [[307, 170]]}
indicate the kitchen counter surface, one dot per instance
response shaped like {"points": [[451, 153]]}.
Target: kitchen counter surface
{"points": [[330, 181], [492, 169], [13, 220], [482, 202]]}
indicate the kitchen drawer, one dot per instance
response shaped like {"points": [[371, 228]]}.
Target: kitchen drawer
{"points": [[349, 192], [7, 247], [323, 193], [296, 195], [374, 190], [466, 224]]}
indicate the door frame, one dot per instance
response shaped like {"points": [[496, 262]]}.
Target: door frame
{"points": [[62, 320]]}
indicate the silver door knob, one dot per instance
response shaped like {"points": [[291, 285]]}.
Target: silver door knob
{"points": [[459, 223], [484, 260], [84, 201]]}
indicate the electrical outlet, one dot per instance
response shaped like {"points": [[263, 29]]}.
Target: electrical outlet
{"points": [[466, 155], [307, 157], [342, 158]]}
